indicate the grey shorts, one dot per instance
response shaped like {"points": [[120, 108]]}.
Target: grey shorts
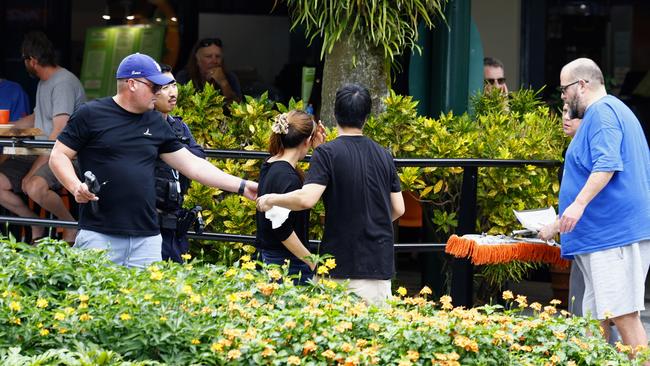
{"points": [[16, 167], [128, 251], [615, 280]]}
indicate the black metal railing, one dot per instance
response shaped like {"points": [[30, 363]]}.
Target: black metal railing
{"points": [[462, 269]]}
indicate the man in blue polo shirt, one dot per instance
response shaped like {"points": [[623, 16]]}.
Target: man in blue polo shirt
{"points": [[605, 201]]}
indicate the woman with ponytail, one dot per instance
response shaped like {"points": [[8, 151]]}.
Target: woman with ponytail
{"points": [[293, 133]]}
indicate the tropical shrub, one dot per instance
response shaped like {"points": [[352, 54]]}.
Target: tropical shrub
{"points": [[63, 306], [516, 127]]}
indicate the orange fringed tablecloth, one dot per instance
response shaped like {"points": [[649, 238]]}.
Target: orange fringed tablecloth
{"points": [[492, 250]]}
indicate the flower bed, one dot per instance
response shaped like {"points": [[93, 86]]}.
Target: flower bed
{"points": [[55, 299]]}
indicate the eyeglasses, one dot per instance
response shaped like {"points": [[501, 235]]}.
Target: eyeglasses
{"points": [[155, 88], [209, 42], [562, 88]]}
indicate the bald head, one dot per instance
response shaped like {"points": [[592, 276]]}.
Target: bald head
{"points": [[584, 69]]}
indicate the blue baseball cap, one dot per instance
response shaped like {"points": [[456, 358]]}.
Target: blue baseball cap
{"points": [[139, 65]]}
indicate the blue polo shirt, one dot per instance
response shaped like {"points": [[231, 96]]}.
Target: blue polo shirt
{"points": [[14, 98], [609, 139]]}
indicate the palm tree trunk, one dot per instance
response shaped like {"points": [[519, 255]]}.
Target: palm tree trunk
{"points": [[370, 70]]}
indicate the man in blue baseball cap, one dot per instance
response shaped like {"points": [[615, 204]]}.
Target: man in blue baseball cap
{"points": [[119, 139]]}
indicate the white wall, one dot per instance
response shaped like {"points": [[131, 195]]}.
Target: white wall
{"points": [[250, 41], [499, 23]]}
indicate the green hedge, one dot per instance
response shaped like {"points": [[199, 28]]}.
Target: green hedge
{"points": [[54, 299], [517, 127]]}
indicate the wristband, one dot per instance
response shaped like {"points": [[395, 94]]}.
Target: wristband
{"points": [[242, 187]]}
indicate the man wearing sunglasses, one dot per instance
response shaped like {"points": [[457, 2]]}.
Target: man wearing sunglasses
{"points": [[119, 139], [605, 201], [494, 75], [206, 66]]}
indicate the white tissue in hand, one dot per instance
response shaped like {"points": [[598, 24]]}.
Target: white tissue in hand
{"points": [[278, 215]]}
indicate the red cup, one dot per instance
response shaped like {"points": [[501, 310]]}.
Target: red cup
{"points": [[4, 116]]}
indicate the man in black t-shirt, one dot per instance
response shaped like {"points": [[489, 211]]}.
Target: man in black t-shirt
{"points": [[119, 139], [362, 195]]}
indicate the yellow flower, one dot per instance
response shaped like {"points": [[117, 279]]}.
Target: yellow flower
{"points": [[44, 332], [245, 258], [405, 363], [330, 263], [15, 306], [195, 341], [156, 276], [555, 302], [83, 305], [63, 330], [68, 310], [85, 317], [401, 291], [322, 270], [83, 298], [308, 347], [186, 256], [187, 289], [536, 306], [125, 317], [293, 360], [162, 318], [59, 316], [507, 295], [234, 354], [268, 352], [15, 321], [522, 301], [445, 301], [195, 298], [374, 327], [425, 291], [248, 266], [608, 314], [274, 274], [147, 297], [329, 354], [41, 303], [413, 355], [230, 272]]}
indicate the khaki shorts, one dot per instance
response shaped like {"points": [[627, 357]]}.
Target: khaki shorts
{"points": [[16, 167], [373, 292]]}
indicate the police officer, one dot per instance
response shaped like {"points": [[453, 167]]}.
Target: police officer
{"points": [[170, 185]]}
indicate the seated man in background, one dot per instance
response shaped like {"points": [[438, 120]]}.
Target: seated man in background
{"points": [[494, 75], [206, 66], [13, 98], [58, 95], [171, 186]]}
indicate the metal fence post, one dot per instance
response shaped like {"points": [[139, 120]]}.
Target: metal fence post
{"points": [[462, 280]]}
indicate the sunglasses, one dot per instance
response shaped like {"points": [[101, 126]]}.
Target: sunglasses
{"points": [[499, 81], [155, 88], [209, 42]]}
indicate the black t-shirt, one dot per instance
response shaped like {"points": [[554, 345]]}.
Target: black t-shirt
{"points": [[280, 177], [120, 148], [360, 176]]}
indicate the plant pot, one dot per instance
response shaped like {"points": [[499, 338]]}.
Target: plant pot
{"points": [[560, 284]]}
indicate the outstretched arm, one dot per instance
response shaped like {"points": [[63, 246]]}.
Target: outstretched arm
{"points": [[204, 172], [298, 200]]}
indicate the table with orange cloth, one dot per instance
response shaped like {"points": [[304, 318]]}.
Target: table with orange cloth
{"points": [[495, 249]]}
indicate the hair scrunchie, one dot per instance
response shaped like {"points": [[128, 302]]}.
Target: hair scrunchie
{"points": [[281, 124]]}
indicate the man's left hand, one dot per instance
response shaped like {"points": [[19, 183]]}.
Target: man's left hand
{"points": [[571, 216]]}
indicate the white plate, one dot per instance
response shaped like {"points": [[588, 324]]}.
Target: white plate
{"points": [[7, 126]]}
